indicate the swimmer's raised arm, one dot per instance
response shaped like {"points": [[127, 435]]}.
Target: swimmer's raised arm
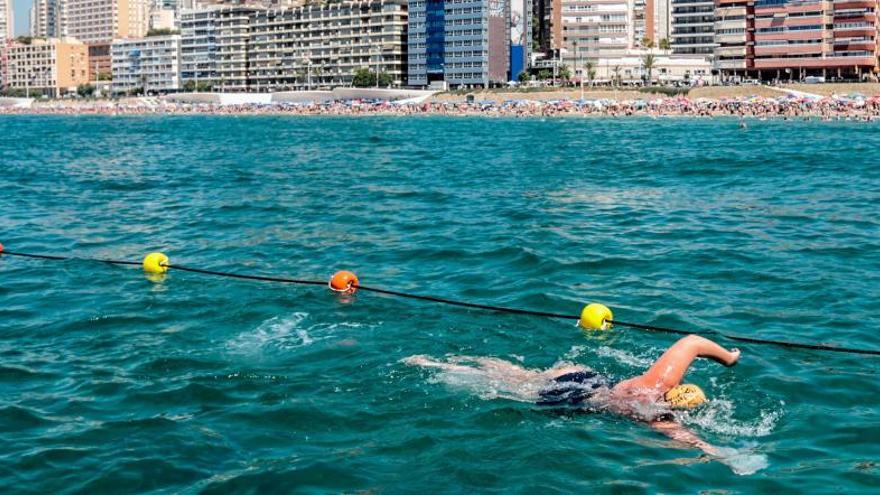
{"points": [[671, 367]]}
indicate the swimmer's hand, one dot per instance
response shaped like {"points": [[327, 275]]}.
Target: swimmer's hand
{"points": [[417, 360], [733, 358], [741, 461]]}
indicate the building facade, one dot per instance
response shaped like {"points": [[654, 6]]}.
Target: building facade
{"points": [[734, 40], [693, 27], [148, 65], [795, 39], [597, 28], [215, 46], [251, 48], [324, 45], [459, 42], [102, 21], [547, 28], [53, 66]]}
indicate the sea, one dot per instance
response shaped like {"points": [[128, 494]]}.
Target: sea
{"points": [[112, 381]]}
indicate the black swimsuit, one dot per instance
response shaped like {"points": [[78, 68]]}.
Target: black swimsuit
{"points": [[572, 389]]}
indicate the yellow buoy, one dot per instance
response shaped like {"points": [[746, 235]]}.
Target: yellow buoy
{"points": [[156, 263], [686, 395], [596, 317]]}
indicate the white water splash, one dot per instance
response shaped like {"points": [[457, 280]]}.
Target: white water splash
{"points": [[717, 416], [624, 357], [276, 332]]}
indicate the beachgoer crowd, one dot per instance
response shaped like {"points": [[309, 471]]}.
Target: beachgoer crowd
{"points": [[853, 107]]}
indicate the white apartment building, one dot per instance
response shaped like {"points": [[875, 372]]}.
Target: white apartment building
{"points": [[46, 19], [596, 28], [323, 45], [7, 20], [101, 21], [149, 65], [214, 46], [53, 66]]}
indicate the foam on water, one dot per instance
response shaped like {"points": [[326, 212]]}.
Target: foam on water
{"points": [[279, 333]]}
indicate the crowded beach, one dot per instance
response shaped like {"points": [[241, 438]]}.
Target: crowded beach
{"points": [[788, 106]]}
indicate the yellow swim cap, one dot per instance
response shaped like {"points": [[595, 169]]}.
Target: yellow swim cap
{"points": [[686, 395]]}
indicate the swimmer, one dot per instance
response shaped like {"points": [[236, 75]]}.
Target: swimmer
{"points": [[648, 397]]}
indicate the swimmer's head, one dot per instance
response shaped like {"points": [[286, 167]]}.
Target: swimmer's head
{"points": [[685, 396]]}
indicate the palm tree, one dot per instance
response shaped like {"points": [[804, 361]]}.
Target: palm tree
{"points": [[590, 66], [664, 44], [648, 62], [616, 71]]}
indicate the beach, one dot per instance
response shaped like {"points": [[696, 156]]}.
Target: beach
{"points": [[851, 102]]}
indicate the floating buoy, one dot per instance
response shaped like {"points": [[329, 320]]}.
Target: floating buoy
{"points": [[1, 248], [686, 395], [156, 263], [596, 317], [344, 281]]}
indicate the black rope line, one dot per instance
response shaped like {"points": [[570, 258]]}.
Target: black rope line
{"points": [[500, 309], [245, 277], [464, 304], [750, 340]]}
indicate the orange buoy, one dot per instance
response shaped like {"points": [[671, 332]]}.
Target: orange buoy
{"points": [[1, 248], [344, 281]]}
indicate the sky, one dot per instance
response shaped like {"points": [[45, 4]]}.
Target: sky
{"points": [[22, 9]]}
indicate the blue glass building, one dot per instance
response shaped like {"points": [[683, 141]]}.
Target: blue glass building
{"points": [[459, 42]]}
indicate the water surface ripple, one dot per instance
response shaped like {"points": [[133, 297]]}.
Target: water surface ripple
{"points": [[110, 383]]}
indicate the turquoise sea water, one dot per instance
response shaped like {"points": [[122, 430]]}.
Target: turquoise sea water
{"points": [[110, 383]]}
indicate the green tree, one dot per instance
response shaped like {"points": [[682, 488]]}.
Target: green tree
{"points": [[385, 79], [14, 92], [363, 78], [85, 90], [564, 73], [649, 61], [523, 77], [664, 44], [647, 42], [544, 74]]}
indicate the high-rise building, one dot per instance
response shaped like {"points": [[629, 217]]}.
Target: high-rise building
{"points": [[693, 27], [734, 41], [45, 19], [7, 20], [547, 28], [251, 48], [520, 36], [459, 42], [102, 21], [794, 39], [146, 65], [214, 46], [324, 45]]}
